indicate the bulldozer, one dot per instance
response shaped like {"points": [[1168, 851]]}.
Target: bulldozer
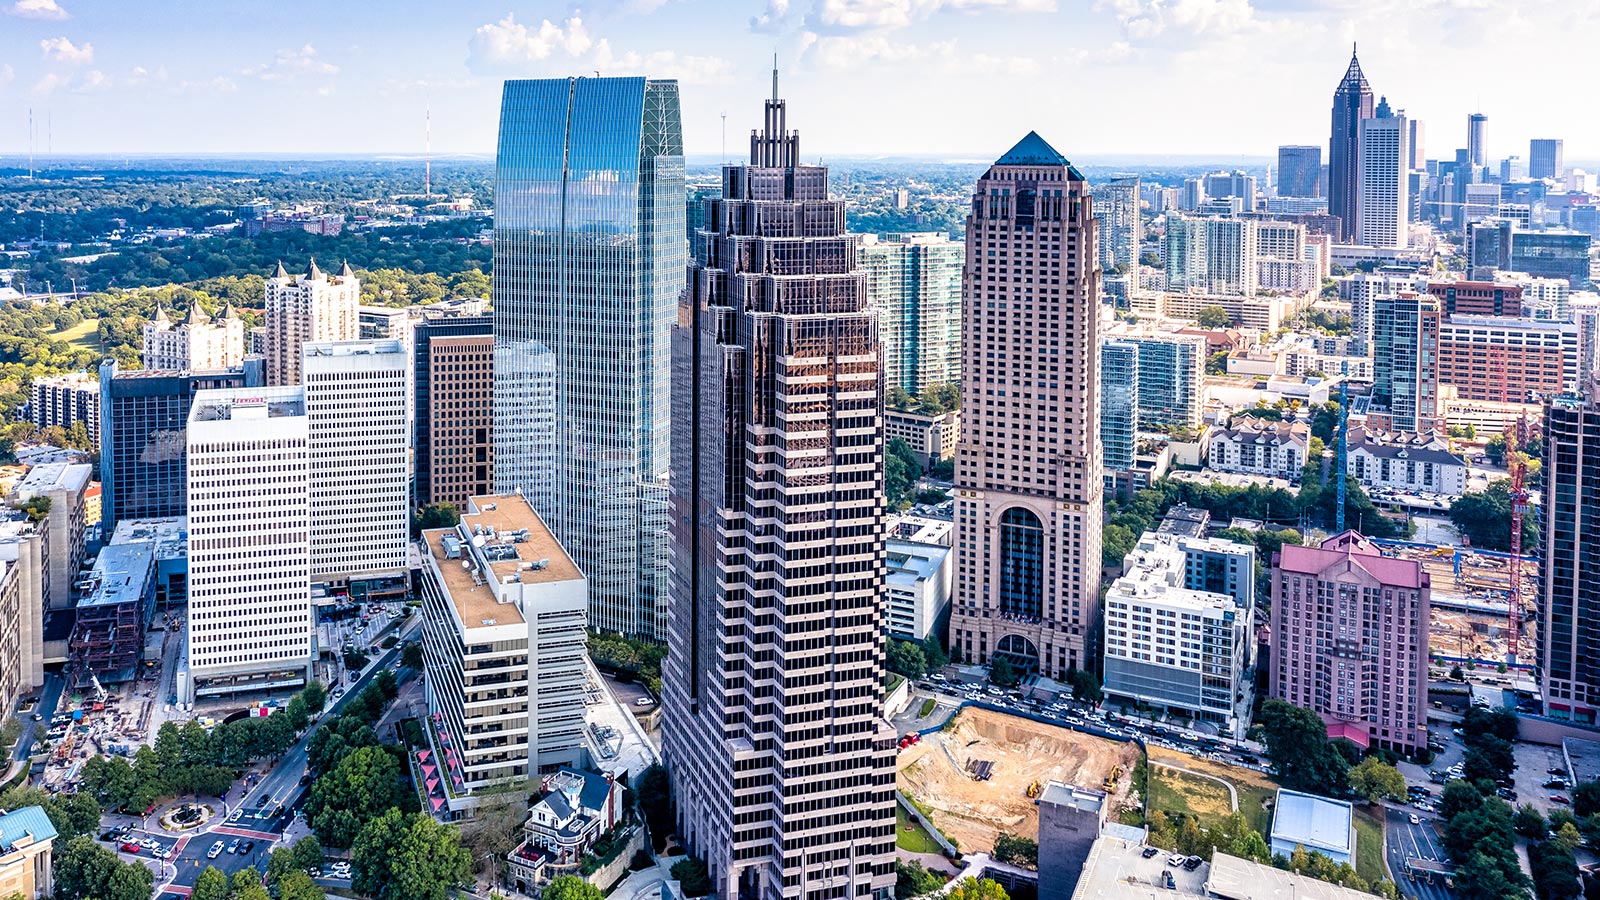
{"points": [[1034, 790], [1110, 784]]}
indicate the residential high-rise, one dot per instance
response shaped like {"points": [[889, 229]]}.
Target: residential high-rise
{"points": [[310, 307], [1350, 640], [1119, 403], [1508, 360], [914, 280], [1545, 158], [249, 485], [503, 640], [774, 732], [1568, 628], [357, 394], [1405, 362], [1477, 154], [1172, 369], [1383, 201], [22, 601], [1116, 206], [453, 379], [1299, 171], [144, 469], [65, 400], [1212, 255], [200, 343], [1352, 102], [1028, 466], [64, 485], [589, 256]]}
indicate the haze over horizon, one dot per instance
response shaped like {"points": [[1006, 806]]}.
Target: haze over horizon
{"points": [[1141, 78]]}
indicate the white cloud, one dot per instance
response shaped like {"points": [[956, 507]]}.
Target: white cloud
{"points": [[853, 15], [62, 50], [510, 46], [290, 64], [48, 84], [90, 82], [839, 52], [1004, 65], [38, 9], [1149, 18], [772, 17]]}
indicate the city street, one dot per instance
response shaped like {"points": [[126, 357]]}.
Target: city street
{"points": [[1407, 841], [49, 697]]}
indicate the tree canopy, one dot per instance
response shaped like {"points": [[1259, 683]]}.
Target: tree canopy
{"points": [[1297, 744]]}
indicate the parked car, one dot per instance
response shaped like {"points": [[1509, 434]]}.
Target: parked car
{"points": [[215, 851], [130, 847], [1149, 852], [1559, 798], [234, 846], [247, 846]]}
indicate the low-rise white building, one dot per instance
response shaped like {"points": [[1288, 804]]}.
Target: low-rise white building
{"points": [[577, 808], [1409, 463], [1254, 446], [1319, 824], [932, 437], [504, 621], [917, 587], [1173, 645]]}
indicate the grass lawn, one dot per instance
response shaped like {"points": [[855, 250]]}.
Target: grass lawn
{"points": [[912, 837], [81, 334], [1173, 791], [927, 708], [1369, 844]]}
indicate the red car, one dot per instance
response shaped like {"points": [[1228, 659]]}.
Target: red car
{"points": [[130, 847], [1557, 798]]}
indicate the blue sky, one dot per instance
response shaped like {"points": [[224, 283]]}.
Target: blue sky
{"points": [[956, 77]]}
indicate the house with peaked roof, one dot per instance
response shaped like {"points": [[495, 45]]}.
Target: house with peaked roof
{"points": [[577, 809], [26, 858], [1399, 462]]}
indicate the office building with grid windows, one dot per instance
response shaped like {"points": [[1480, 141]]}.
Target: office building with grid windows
{"points": [[453, 377], [1568, 627], [774, 731], [249, 484], [1028, 465], [914, 280], [309, 307], [589, 262]]}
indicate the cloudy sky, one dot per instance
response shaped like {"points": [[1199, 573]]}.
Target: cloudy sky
{"points": [[949, 77]]}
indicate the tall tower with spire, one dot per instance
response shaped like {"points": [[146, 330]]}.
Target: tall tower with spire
{"points": [[309, 307], [1352, 102], [781, 759]]}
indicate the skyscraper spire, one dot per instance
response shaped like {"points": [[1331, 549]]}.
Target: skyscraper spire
{"points": [[774, 78]]}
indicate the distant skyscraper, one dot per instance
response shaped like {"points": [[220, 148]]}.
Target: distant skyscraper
{"points": [[1224, 185], [589, 251], [453, 361], [777, 413], [1212, 255], [1119, 403], [1545, 158], [356, 403], [1419, 156], [311, 307], [914, 280], [1299, 171], [1405, 361], [1383, 199], [1028, 466], [1477, 155], [1569, 618], [1352, 102], [200, 343], [1116, 205]]}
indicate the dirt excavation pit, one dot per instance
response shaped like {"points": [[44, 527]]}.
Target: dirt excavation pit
{"points": [[937, 773]]}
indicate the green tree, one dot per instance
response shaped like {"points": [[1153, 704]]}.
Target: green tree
{"points": [[408, 856], [307, 853], [1376, 780], [1484, 517], [1214, 317], [906, 658], [1116, 542], [912, 880], [362, 785], [899, 398], [85, 870], [411, 656], [210, 884], [974, 889], [1555, 872], [298, 885], [1586, 798], [1001, 672], [692, 876], [1569, 837], [1298, 747], [1528, 822], [1217, 363], [933, 653], [437, 515], [901, 471], [570, 887], [1016, 850], [654, 798]]}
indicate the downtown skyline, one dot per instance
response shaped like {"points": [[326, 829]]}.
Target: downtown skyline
{"points": [[101, 79]]}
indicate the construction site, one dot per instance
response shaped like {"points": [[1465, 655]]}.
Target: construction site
{"points": [[1471, 612], [979, 775]]}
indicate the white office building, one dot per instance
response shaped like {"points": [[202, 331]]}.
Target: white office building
{"points": [[309, 307], [1185, 649], [1212, 255], [504, 618], [917, 587], [249, 546], [1383, 198], [357, 397]]}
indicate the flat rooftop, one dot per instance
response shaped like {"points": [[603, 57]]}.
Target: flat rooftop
{"points": [[499, 537], [1317, 823], [1068, 795], [225, 404], [170, 536], [119, 575], [1233, 878], [1117, 870], [54, 476]]}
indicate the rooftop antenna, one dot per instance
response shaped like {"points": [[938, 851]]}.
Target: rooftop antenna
{"points": [[427, 151], [724, 137], [30, 142], [774, 77]]}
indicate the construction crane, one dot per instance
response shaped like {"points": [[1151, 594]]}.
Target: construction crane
{"points": [[1517, 466], [1340, 457]]}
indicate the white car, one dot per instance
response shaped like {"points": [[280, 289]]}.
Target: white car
{"points": [[1415, 820], [215, 851]]}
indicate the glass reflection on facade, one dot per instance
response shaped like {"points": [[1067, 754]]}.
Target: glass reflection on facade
{"points": [[589, 262], [1021, 564]]}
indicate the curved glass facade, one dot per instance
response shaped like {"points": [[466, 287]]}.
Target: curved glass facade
{"points": [[589, 262], [1021, 564]]}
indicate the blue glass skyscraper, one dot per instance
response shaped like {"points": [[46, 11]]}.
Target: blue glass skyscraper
{"points": [[589, 261]]}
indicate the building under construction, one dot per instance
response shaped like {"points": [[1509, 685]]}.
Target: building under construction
{"points": [[116, 599], [1470, 619]]}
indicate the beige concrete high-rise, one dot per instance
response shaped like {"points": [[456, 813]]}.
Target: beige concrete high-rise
{"points": [[309, 307], [782, 762], [1028, 480], [199, 343]]}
